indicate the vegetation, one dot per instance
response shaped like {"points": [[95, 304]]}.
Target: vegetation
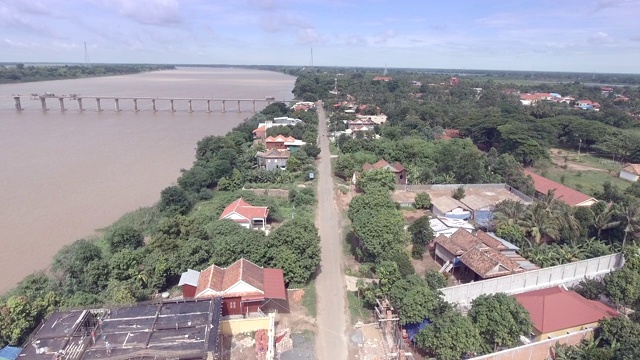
{"points": [[25, 73], [145, 252]]}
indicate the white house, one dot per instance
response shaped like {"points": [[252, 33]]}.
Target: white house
{"points": [[246, 214], [630, 172]]}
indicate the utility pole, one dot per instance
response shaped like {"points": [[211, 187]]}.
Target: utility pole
{"points": [[579, 146], [87, 61]]}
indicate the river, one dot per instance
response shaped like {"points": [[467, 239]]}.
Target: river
{"points": [[65, 174]]}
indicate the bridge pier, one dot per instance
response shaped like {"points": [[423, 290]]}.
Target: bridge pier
{"points": [[43, 102], [223, 107], [18, 104], [135, 105], [238, 105], [117, 101], [153, 104], [190, 107], [61, 104], [171, 105], [254, 106], [208, 105], [98, 104], [80, 105]]}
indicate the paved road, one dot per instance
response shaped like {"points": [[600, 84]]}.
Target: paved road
{"points": [[331, 340]]}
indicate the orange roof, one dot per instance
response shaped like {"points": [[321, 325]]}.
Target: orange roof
{"points": [[632, 168], [269, 283], [395, 168], [561, 192], [260, 129], [556, 309], [280, 138], [383, 78], [246, 210]]}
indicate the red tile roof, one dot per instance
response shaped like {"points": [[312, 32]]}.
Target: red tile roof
{"points": [[245, 210], [280, 138], [562, 193], [274, 154], [268, 283], [489, 263], [556, 309], [383, 78], [395, 168], [260, 129]]}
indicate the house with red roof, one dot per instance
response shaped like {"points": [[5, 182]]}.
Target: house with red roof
{"points": [[246, 214], [630, 172], [563, 193], [479, 254], [587, 105], [397, 169], [557, 311], [382, 78], [282, 142], [243, 286]]}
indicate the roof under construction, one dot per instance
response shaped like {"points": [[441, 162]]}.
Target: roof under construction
{"points": [[165, 330]]}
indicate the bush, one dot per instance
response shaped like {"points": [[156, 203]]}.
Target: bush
{"points": [[423, 201], [458, 193], [125, 237], [174, 201]]}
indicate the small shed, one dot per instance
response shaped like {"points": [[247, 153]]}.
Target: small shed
{"points": [[631, 172], [189, 283]]}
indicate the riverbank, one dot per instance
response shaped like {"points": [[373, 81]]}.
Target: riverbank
{"points": [[65, 174]]}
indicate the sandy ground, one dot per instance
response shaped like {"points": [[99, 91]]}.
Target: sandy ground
{"points": [[331, 338]]}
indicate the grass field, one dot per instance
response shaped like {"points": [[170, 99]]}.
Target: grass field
{"points": [[586, 181], [357, 308]]}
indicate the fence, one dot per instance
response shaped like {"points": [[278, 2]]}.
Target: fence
{"points": [[567, 274], [538, 350], [417, 188], [238, 326]]}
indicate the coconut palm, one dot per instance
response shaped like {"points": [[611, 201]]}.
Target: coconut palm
{"points": [[508, 212], [630, 215], [540, 223], [605, 219]]}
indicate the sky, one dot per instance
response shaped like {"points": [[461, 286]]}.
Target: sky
{"points": [[541, 35]]}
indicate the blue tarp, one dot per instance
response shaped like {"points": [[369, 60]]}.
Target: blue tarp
{"points": [[10, 353], [414, 329], [483, 217]]}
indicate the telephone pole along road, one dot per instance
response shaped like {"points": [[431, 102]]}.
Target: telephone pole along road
{"points": [[331, 340]]}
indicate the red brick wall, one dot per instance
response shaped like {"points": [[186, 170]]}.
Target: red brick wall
{"points": [[188, 291]]}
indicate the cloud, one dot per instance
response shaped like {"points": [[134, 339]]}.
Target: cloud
{"points": [[276, 22], [309, 37], [500, 20], [600, 38], [34, 8], [12, 19], [384, 37], [605, 4], [148, 12], [265, 4]]}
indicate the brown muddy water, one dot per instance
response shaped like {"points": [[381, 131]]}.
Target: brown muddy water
{"points": [[65, 174]]}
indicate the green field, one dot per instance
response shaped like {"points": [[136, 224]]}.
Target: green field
{"points": [[587, 181]]}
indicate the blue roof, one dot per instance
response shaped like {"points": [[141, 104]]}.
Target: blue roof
{"points": [[414, 328], [10, 353]]}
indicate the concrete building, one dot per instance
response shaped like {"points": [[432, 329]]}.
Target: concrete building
{"points": [[556, 311], [243, 286], [273, 159], [245, 214]]}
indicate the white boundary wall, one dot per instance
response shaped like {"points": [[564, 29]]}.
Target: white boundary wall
{"points": [[567, 274]]}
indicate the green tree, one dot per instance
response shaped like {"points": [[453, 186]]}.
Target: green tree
{"points": [[458, 193], [623, 286], [630, 215], [294, 247], [423, 201], [380, 233], [124, 237], [376, 179], [421, 235], [414, 300], [450, 337], [72, 259], [500, 319], [435, 279], [174, 201], [590, 288]]}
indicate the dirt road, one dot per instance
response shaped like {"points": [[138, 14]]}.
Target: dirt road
{"points": [[331, 340]]}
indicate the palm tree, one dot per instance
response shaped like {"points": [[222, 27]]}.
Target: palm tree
{"points": [[604, 220], [508, 212], [631, 219], [540, 223]]}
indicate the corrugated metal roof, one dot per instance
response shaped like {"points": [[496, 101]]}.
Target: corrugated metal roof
{"points": [[190, 277]]}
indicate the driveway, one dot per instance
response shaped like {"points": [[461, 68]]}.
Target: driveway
{"points": [[331, 340]]}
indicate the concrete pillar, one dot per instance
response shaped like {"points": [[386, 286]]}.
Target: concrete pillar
{"points": [[172, 108], [254, 106], [98, 104], [208, 105], [135, 105], [43, 102], [117, 101], [190, 107], [238, 105], [18, 104], [80, 104], [223, 107], [61, 104], [153, 104]]}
